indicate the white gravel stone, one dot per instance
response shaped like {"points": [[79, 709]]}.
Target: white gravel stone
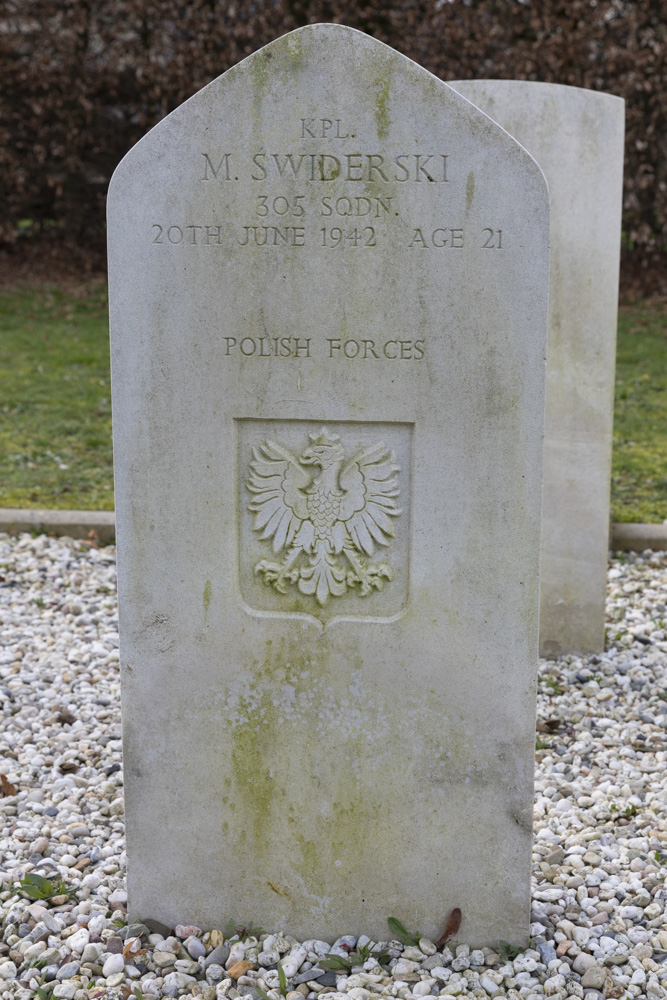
{"points": [[113, 964], [293, 961], [603, 758], [177, 981], [78, 941], [65, 990], [423, 988]]}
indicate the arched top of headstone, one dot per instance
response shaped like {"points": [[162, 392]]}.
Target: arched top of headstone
{"points": [[376, 84], [564, 91]]}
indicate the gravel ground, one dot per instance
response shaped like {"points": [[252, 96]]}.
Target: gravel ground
{"points": [[600, 854]]}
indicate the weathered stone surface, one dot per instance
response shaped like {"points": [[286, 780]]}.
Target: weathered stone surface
{"points": [[577, 138], [328, 302]]}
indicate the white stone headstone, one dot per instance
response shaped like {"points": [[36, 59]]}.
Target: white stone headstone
{"points": [[328, 280], [577, 138]]}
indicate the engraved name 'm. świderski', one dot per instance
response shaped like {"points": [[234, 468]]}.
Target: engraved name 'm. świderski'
{"points": [[328, 522]]}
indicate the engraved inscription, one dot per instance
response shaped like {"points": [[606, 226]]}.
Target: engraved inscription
{"points": [[297, 234], [326, 214], [337, 348], [268, 347], [366, 168], [273, 236], [405, 350], [327, 513], [324, 128], [337, 237], [440, 238], [492, 240]]}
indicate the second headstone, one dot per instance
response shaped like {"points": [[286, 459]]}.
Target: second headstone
{"points": [[577, 138]]}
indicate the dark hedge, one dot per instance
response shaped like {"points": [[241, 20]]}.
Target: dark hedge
{"points": [[82, 80]]}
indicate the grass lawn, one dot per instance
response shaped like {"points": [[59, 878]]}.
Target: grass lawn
{"points": [[639, 462], [55, 402], [55, 414]]}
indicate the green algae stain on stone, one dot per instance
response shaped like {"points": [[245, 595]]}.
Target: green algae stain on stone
{"points": [[260, 64], [294, 46], [207, 597], [470, 190], [264, 740], [382, 108], [253, 736]]}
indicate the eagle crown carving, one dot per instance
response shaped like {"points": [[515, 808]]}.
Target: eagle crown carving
{"points": [[328, 522]]}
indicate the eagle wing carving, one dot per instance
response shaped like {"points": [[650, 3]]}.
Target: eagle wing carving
{"points": [[370, 481], [329, 516], [280, 504]]}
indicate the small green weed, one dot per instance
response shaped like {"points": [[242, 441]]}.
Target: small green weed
{"points": [[366, 952], [626, 813], [242, 931], [541, 744], [35, 963], [508, 952], [334, 963], [401, 934], [282, 979], [37, 887]]}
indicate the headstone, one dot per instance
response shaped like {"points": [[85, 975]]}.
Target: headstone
{"points": [[328, 279], [577, 138]]}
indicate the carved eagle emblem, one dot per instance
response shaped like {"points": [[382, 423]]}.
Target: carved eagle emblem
{"points": [[326, 513]]}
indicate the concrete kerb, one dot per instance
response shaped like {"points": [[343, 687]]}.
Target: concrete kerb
{"points": [[96, 525], [637, 537], [100, 525]]}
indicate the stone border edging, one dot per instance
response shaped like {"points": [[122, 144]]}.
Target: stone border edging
{"points": [[80, 524], [632, 537], [73, 523]]}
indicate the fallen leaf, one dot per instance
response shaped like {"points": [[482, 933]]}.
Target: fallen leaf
{"points": [[132, 947], [549, 725], [451, 927], [65, 718], [7, 787], [93, 540], [239, 969]]}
